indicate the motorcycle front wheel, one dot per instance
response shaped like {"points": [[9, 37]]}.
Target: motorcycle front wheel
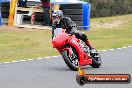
{"points": [[96, 60], [71, 61]]}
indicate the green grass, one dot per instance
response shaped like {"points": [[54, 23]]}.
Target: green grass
{"points": [[15, 45], [105, 33], [111, 32]]}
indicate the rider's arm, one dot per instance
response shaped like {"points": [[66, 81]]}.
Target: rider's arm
{"points": [[53, 28], [71, 25]]}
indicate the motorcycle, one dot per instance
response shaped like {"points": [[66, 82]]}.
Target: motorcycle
{"points": [[74, 51]]}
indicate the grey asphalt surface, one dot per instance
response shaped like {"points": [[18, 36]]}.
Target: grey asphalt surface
{"points": [[53, 73]]}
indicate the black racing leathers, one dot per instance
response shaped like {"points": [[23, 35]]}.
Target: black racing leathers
{"points": [[71, 28]]}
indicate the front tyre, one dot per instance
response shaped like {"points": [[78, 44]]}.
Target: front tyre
{"points": [[96, 60], [71, 61]]}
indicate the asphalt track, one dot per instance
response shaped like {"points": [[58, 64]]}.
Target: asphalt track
{"points": [[53, 72]]}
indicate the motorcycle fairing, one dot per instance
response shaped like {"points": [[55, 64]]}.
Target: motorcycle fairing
{"points": [[83, 57], [60, 40]]}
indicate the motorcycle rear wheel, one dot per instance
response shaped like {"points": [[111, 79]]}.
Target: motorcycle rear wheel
{"points": [[68, 60]]}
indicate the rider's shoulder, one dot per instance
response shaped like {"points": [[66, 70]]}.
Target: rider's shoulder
{"points": [[67, 18]]}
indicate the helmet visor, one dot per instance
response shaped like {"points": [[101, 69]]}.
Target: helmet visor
{"points": [[56, 18]]}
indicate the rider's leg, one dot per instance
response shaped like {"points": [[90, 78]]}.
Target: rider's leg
{"points": [[84, 38]]}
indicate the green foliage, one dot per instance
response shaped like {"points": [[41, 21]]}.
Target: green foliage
{"points": [[103, 8]]}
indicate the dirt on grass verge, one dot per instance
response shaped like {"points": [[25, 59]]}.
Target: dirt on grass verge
{"points": [[112, 24], [16, 29]]}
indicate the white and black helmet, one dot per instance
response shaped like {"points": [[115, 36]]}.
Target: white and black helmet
{"points": [[57, 13]]}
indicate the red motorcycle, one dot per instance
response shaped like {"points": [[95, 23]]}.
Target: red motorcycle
{"points": [[74, 51]]}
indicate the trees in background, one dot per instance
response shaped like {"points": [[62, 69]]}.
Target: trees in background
{"points": [[103, 8]]}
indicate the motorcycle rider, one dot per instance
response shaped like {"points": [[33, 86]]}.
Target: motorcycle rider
{"points": [[60, 21]]}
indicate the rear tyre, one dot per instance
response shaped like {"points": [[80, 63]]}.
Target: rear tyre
{"points": [[71, 61]]}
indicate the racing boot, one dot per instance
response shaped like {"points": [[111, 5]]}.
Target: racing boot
{"points": [[92, 49], [89, 45]]}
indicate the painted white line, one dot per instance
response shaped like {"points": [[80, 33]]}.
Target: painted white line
{"points": [[55, 56], [58, 56], [103, 50], [22, 60], [111, 49], [130, 46], [115, 49], [15, 61], [119, 48], [6, 62], [30, 59], [51, 57], [40, 58], [124, 47], [47, 57]]}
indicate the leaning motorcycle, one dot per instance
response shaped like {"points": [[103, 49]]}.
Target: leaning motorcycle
{"points": [[74, 51]]}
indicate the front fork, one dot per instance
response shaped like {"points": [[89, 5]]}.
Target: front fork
{"points": [[84, 59], [68, 49]]}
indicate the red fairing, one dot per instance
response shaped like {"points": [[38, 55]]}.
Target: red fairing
{"points": [[86, 61], [64, 38], [60, 40], [68, 49], [84, 58]]}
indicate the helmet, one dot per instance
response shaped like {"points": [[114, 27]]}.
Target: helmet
{"points": [[57, 15]]}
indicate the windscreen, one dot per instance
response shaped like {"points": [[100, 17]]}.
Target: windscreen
{"points": [[57, 31]]}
